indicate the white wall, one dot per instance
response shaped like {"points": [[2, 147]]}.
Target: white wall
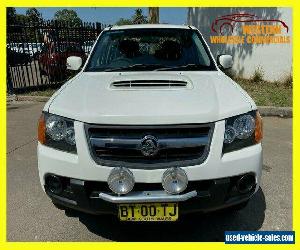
{"points": [[274, 59]]}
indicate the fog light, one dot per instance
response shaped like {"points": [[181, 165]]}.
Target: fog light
{"points": [[54, 184], [246, 183], [120, 180], [174, 180]]}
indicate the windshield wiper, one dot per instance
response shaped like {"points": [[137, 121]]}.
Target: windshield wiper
{"points": [[187, 66], [136, 66]]}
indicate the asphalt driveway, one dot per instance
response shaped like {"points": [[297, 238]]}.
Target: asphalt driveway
{"points": [[32, 217]]}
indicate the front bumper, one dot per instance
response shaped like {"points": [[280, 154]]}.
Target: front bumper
{"points": [[218, 169], [201, 196]]}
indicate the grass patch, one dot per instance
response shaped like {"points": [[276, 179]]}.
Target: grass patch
{"points": [[46, 92], [266, 93]]}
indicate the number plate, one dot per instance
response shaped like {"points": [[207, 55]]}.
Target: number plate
{"points": [[148, 212]]}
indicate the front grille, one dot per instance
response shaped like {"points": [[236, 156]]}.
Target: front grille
{"points": [[177, 145]]}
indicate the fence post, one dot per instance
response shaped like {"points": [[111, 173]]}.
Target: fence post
{"points": [[9, 84]]}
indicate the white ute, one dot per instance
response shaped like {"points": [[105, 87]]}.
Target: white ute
{"points": [[150, 128]]}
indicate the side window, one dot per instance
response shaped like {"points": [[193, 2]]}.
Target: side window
{"points": [[103, 52]]}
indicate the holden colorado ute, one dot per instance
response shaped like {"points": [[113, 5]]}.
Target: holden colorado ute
{"points": [[149, 129]]}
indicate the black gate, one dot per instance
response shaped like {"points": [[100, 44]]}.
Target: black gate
{"points": [[37, 52]]}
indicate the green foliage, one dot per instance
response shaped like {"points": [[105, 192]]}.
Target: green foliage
{"points": [[10, 14], [123, 21], [137, 18], [20, 18], [34, 15], [266, 93], [69, 16], [258, 75], [288, 81]]}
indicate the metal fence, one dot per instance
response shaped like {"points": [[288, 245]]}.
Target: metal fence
{"points": [[37, 52]]}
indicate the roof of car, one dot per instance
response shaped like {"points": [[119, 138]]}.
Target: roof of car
{"points": [[150, 26]]}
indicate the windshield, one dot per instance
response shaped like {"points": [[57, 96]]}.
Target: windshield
{"points": [[150, 49]]}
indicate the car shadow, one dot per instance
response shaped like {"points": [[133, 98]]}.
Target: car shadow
{"points": [[193, 227]]}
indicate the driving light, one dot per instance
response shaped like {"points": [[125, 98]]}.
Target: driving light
{"points": [[174, 180], [120, 180], [56, 127], [244, 126]]}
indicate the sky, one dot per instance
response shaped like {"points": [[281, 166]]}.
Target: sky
{"points": [[112, 15]]}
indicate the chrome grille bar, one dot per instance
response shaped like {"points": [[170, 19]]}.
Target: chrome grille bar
{"points": [[134, 143]]}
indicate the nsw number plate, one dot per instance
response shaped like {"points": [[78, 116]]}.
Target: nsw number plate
{"points": [[149, 212]]}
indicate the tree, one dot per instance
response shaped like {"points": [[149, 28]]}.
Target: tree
{"points": [[69, 16], [21, 19], [10, 15], [34, 15], [138, 17], [123, 21]]}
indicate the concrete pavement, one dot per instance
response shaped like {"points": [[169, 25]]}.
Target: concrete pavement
{"points": [[32, 217]]}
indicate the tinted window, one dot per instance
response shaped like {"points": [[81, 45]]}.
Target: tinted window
{"points": [[164, 47]]}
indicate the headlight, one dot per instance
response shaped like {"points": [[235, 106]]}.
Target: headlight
{"points": [[120, 180], [57, 132], [56, 127], [242, 131], [174, 180], [244, 126]]}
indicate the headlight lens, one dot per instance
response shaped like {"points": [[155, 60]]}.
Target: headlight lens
{"points": [[57, 132], [241, 130], [244, 126], [56, 127]]}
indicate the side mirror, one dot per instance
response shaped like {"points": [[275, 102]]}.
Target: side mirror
{"points": [[74, 62], [225, 61]]}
